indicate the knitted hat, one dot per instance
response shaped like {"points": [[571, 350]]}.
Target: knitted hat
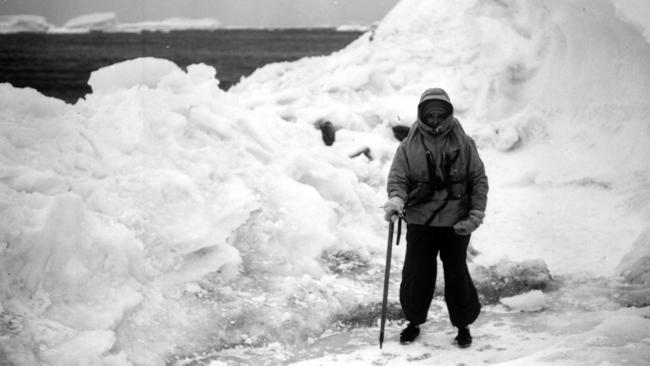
{"points": [[435, 106]]}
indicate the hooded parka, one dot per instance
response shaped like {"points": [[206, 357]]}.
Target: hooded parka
{"points": [[437, 171]]}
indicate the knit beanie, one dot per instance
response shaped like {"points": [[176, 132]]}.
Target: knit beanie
{"points": [[435, 106]]}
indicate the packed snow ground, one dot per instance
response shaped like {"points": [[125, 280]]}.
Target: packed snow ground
{"points": [[162, 220]]}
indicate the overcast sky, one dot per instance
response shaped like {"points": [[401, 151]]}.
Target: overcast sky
{"points": [[258, 13]]}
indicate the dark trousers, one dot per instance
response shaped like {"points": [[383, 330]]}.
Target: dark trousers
{"points": [[419, 275]]}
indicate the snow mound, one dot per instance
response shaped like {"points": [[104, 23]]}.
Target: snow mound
{"points": [[159, 179], [530, 301], [144, 71], [505, 66], [508, 278], [23, 23]]}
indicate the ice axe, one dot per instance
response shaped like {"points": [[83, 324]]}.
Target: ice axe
{"points": [[389, 251]]}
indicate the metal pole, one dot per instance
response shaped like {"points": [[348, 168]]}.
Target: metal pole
{"points": [[384, 303]]}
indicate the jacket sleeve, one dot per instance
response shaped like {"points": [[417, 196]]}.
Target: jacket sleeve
{"points": [[478, 182], [397, 185]]}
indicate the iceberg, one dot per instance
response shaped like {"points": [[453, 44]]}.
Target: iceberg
{"points": [[23, 23], [105, 21]]}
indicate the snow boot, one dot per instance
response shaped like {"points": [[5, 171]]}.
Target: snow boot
{"points": [[409, 334], [464, 338]]}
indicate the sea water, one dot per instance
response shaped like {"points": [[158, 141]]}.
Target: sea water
{"points": [[59, 65]]}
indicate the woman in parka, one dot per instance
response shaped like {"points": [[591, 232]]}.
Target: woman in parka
{"points": [[438, 182]]}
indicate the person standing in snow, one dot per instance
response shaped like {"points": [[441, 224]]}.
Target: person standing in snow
{"points": [[437, 182]]}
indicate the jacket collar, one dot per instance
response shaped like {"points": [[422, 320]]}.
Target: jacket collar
{"points": [[443, 128]]}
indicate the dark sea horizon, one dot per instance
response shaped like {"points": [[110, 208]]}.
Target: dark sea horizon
{"points": [[59, 65]]}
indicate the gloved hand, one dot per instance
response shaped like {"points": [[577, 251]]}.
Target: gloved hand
{"points": [[393, 206], [471, 223]]}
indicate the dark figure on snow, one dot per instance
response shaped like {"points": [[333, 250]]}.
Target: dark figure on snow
{"points": [[327, 131], [400, 132], [438, 182]]}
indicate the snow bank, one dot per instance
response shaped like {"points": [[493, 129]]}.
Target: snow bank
{"points": [[505, 65], [156, 180], [23, 23]]}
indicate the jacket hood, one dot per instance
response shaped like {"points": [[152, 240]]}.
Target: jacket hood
{"points": [[436, 94]]}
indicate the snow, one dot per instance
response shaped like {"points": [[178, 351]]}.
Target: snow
{"points": [[636, 12], [635, 265], [530, 301], [162, 220], [144, 71]]}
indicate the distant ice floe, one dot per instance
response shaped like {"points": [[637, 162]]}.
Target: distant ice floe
{"points": [[102, 22], [23, 23], [171, 24], [92, 22], [353, 28]]}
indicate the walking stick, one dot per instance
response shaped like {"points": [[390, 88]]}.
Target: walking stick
{"points": [[389, 251]]}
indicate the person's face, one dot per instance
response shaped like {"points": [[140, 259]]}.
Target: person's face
{"points": [[434, 112], [434, 118]]}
